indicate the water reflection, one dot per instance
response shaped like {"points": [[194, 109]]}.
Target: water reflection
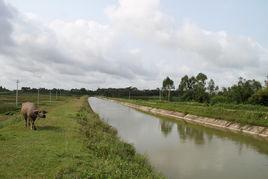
{"points": [[188, 133], [166, 127], [203, 135]]}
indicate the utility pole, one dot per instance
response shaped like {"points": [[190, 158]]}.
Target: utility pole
{"points": [[38, 97], [169, 94], [56, 94], [129, 94], [159, 94], [50, 96], [17, 93]]}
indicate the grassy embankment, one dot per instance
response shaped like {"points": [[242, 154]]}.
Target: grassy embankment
{"points": [[244, 114], [71, 142]]}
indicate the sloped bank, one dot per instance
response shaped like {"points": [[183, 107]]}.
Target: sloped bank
{"points": [[205, 121], [109, 156]]}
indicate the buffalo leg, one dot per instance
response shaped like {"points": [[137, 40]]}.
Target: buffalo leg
{"points": [[33, 126], [26, 120]]}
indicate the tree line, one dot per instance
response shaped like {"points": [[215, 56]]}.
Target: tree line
{"points": [[64, 92], [3, 89], [199, 89], [190, 88]]}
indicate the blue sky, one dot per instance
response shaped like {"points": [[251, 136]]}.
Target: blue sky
{"points": [[239, 17], [119, 43]]}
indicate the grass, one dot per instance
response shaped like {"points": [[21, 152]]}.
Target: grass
{"points": [[71, 143], [7, 101], [7, 107], [244, 114]]}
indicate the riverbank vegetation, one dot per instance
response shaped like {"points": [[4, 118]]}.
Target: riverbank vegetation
{"points": [[73, 142], [244, 114], [197, 88]]}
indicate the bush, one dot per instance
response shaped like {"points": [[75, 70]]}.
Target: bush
{"points": [[218, 99], [260, 97]]}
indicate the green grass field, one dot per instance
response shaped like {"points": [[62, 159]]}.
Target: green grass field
{"points": [[244, 114], [71, 143], [8, 101]]}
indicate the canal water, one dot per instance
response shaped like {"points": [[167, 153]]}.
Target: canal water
{"points": [[185, 151]]}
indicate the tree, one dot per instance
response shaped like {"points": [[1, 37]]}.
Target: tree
{"points": [[183, 86], [201, 78], [211, 87], [200, 94], [260, 97], [243, 90], [2, 89], [168, 84], [186, 88], [194, 88]]}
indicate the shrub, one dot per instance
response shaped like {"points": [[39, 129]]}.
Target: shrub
{"points": [[218, 99], [260, 97]]}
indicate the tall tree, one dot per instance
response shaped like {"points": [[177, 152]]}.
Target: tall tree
{"points": [[200, 94], [183, 86], [168, 84], [186, 88], [211, 87]]}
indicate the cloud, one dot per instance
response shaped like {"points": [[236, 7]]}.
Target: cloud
{"points": [[219, 48], [6, 16], [139, 46]]}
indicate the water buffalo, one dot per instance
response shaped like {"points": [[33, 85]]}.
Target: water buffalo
{"points": [[31, 113]]}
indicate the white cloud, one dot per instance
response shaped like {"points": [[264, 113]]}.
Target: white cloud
{"points": [[139, 47], [219, 48]]}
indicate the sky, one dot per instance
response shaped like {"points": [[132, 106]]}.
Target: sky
{"points": [[119, 43]]}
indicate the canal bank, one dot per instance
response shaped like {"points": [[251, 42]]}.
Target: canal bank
{"points": [[72, 142], [183, 150], [205, 121]]}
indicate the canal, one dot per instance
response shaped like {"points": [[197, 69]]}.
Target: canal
{"points": [[181, 150]]}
